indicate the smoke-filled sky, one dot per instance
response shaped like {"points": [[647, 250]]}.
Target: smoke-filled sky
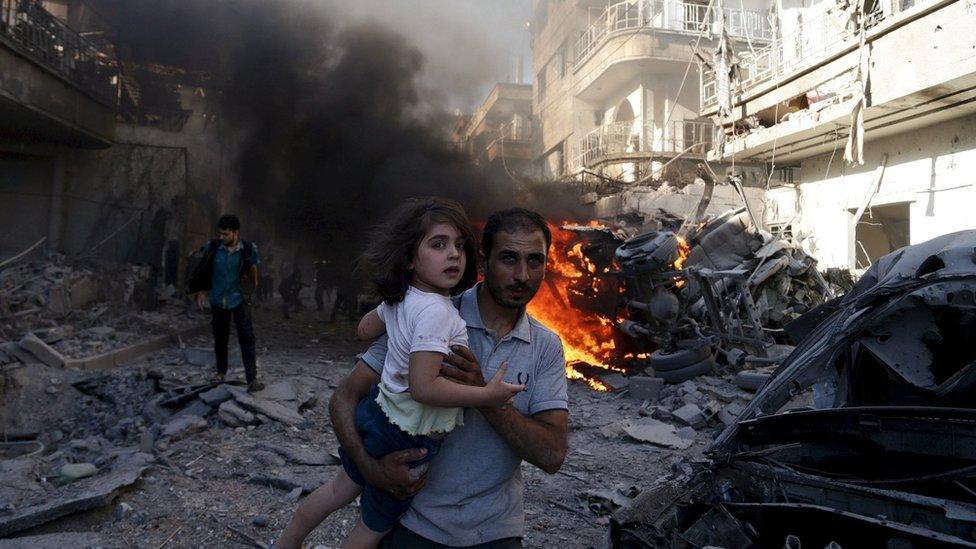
{"points": [[468, 45], [335, 110]]}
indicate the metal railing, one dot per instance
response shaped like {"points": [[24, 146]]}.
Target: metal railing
{"points": [[808, 43], [28, 28], [515, 131], [624, 138], [672, 15]]}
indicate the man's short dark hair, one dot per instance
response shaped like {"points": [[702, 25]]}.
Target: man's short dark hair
{"points": [[229, 222], [510, 221]]}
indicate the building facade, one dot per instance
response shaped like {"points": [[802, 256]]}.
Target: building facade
{"points": [[617, 83], [500, 135], [866, 116]]}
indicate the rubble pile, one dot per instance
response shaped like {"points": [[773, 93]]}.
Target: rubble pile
{"points": [[83, 436], [80, 309]]}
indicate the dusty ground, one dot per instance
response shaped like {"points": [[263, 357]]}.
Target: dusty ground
{"points": [[219, 479]]}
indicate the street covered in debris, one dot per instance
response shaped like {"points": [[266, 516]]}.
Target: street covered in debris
{"points": [[712, 266]]}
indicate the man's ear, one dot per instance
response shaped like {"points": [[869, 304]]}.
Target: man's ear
{"points": [[482, 262]]}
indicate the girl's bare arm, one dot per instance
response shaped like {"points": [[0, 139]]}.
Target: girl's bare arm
{"points": [[428, 387], [371, 326]]}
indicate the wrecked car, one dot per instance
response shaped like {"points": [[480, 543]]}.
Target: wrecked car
{"points": [[677, 295], [865, 436]]}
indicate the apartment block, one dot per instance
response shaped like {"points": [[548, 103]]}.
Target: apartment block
{"points": [[865, 115]]}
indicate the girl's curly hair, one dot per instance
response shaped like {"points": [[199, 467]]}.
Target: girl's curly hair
{"points": [[393, 245]]}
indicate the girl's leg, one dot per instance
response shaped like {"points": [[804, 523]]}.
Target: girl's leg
{"points": [[362, 537], [321, 503]]}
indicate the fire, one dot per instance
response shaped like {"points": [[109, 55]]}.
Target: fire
{"points": [[587, 338], [683, 250]]}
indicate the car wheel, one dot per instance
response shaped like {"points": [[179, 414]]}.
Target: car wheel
{"points": [[663, 361], [688, 372]]}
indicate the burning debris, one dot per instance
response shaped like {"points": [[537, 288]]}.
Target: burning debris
{"points": [[668, 299]]}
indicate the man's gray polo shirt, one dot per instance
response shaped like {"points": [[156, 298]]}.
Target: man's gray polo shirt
{"points": [[474, 491]]}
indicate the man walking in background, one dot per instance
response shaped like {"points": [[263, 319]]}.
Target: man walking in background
{"points": [[229, 271]]}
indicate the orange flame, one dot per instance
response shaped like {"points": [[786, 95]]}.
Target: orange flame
{"points": [[683, 250], [587, 337]]}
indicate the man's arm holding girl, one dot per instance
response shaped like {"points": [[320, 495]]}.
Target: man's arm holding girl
{"points": [[540, 439]]}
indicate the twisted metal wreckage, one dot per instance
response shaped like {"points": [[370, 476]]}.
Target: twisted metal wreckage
{"points": [[878, 446]]}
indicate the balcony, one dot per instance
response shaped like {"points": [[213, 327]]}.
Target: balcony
{"points": [[30, 30], [668, 15], [625, 141], [513, 141], [811, 42]]}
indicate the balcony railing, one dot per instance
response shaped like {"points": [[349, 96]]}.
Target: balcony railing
{"points": [[808, 43], [625, 138], [28, 28], [672, 15]]}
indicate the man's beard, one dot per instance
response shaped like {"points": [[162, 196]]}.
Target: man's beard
{"points": [[497, 293]]}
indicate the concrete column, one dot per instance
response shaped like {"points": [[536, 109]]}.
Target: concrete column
{"points": [[57, 203]]}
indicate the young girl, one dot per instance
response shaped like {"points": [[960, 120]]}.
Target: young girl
{"points": [[418, 259]]}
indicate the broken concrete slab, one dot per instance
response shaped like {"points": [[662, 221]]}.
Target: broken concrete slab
{"points": [[118, 357], [730, 413], [616, 382], [646, 388], [301, 456], [268, 408], [197, 408], [293, 393], [657, 433], [215, 396], [84, 494], [235, 416], [615, 429], [44, 353], [690, 415], [723, 392], [62, 540], [304, 477], [180, 427]]}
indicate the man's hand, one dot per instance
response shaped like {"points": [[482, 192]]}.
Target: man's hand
{"points": [[392, 474], [466, 369], [201, 299]]}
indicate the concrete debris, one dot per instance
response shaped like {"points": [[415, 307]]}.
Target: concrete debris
{"points": [[657, 433], [235, 416], [690, 415], [645, 388], [83, 494], [269, 408], [74, 471], [64, 539], [184, 425], [301, 455], [215, 396], [45, 354]]}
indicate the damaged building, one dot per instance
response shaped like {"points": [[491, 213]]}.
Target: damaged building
{"points": [[864, 114], [616, 90]]}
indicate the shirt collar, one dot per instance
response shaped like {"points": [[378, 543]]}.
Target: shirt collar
{"points": [[235, 248], [471, 315]]}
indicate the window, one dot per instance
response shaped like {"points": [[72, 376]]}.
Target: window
{"points": [[880, 231]]}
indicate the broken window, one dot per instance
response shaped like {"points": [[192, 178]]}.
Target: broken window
{"points": [[881, 230]]}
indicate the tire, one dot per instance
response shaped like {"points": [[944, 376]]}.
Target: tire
{"points": [[688, 372], [663, 361]]}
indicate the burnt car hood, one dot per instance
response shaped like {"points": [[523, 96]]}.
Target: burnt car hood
{"points": [[913, 314]]}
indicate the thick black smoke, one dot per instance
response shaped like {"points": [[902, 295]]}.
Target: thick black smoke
{"points": [[330, 127]]}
